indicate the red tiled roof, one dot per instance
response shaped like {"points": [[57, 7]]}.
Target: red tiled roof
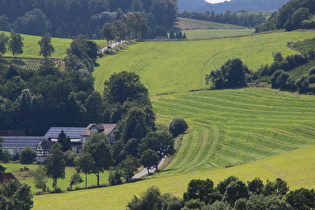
{"points": [[7, 176]]}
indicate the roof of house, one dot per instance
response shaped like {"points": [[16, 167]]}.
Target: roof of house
{"points": [[72, 132], [46, 144], [21, 141], [101, 127], [11, 133], [7, 176]]}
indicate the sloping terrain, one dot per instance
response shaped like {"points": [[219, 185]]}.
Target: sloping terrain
{"points": [[296, 167], [180, 66]]}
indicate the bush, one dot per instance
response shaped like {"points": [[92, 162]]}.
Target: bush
{"points": [[27, 156], [177, 126]]}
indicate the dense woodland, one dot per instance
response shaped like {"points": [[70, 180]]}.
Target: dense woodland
{"points": [[294, 15], [67, 18], [242, 18]]}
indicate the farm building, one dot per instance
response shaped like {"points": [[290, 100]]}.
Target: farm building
{"points": [[108, 129], [15, 144], [43, 150]]}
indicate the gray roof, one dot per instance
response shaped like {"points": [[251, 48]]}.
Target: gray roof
{"points": [[21, 141], [72, 132]]}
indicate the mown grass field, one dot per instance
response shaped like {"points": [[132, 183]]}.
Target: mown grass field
{"points": [[180, 66], [31, 48], [187, 24], [214, 33], [63, 184], [233, 127], [296, 167]]}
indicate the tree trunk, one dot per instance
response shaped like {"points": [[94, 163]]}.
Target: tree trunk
{"points": [[148, 171], [85, 180], [98, 179]]}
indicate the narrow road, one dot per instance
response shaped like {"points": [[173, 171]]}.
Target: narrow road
{"points": [[145, 170], [113, 45]]}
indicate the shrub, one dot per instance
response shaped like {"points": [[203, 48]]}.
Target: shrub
{"points": [[177, 126], [27, 156]]}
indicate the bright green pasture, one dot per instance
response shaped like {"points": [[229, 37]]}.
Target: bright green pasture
{"points": [[233, 127], [180, 66], [186, 24], [296, 167], [213, 33], [31, 47], [26, 177]]}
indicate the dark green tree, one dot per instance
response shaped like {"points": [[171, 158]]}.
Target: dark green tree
{"points": [[301, 198], [177, 126], [234, 191], [98, 147], [27, 156], [256, 186], [223, 184], [149, 159], [128, 167], [75, 180], [16, 44], [202, 190], [150, 199], [64, 141], [278, 187], [40, 178], [159, 141], [108, 32], [46, 48], [55, 166], [2, 169], [85, 164], [3, 44], [14, 195]]}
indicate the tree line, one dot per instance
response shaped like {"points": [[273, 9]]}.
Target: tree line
{"points": [[293, 15], [67, 18], [242, 18], [231, 193]]}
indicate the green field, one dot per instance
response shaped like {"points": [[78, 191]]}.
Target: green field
{"points": [[188, 24], [63, 184], [214, 33], [180, 66], [31, 48], [233, 127], [296, 167]]}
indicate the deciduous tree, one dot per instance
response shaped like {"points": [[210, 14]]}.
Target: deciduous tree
{"points": [[3, 44], [46, 48], [55, 166], [40, 178], [149, 159], [85, 164], [16, 44]]}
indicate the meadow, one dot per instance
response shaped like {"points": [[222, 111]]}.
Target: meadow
{"points": [[180, 66], [188, 24], [31, 48], [27, 177], [295, 167], [214, 33]]}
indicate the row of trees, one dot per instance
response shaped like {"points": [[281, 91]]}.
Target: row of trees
{"points": [[60, 18], [293, 15], [15, 44], [231, 193], [242, 18], [133, 24]]}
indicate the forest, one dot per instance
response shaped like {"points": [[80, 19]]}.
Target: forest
{"points": [[67, 18]]}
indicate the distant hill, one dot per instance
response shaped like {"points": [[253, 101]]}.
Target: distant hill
{"points": [[233, 5]]}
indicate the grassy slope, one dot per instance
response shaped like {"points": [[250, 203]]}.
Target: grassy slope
{"points": [[233, 127], [296, 167], [180, 66], [63, 184], [187, 24], [31, 48]]}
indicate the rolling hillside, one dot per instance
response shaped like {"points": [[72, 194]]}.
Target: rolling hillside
{"points": [[295, 167], [180, 66]]}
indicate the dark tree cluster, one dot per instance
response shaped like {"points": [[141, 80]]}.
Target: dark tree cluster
{"points": [[280, 77], [243, 18], [230, 75], [293, 15], [67, 18], [231, 193]]}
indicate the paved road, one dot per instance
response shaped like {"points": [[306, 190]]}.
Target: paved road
{"points": [[145, 171], [115, 44]]}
